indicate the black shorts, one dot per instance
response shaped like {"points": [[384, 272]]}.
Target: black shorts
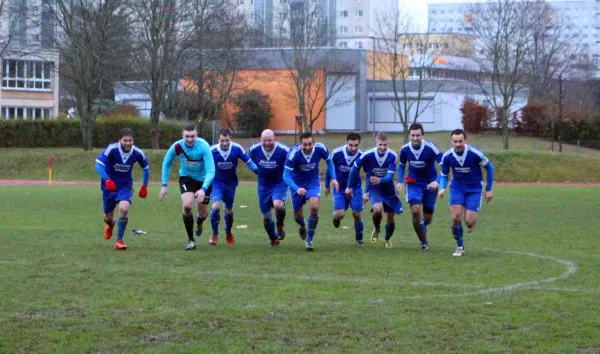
{"points": [[188, 184]]}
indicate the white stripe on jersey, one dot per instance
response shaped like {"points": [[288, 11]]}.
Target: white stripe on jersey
{"points": [[283, 146], [254, 146], [293, 152], [100, 162], [238, 145], [110, 147], [432, 146], [140, 152]]}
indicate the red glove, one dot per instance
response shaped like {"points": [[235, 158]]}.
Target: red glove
{"points": [[110, 185], [410, 180], [143, 192]]}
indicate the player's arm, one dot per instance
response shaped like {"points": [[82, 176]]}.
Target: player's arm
{"points": [[101, 161], [443, 178], [248, 161], [289, 179], [389, 177], [490, 178], [167, 164], [209, 165], [401, 169], [146, 175], [328, 178]]}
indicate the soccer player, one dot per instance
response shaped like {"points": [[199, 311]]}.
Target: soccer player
{"points": [[302, 176], [114, 165], [225, 154], [196, 174], [269, 156], [349, 195], [421, 182], [467, 182], [379, 164]]}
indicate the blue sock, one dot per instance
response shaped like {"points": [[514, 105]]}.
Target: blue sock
{"points": [[359, 227], [228, 221], [300, 221], [313, 220], [389, 230], [215, 219], [122, 225], [457, 231], [270, 229], [424, 228]]}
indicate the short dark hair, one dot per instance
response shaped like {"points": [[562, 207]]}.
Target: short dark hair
{"points": [[353, 136], [382, 136], [459, 132], [125, 132], [416, 126], [224, 132], [305, 136], [188, 127]]}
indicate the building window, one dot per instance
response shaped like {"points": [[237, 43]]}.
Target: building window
{"points": [[358, 29], [241, 2], [343, 44], [358, 45], [433, 46], [282, 15], [407, 46], [343, 29], [446, 45], [27, 75], [359, 13], [26, 113], [344, 13]]}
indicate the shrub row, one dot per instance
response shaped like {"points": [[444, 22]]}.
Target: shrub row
{"points": [[67, 133]]}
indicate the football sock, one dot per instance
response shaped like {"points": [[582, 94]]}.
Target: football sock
{"points": [[188, 222], [215, 219], [457, 231], [377, 222], [359, 227], [420, 231], [121, 228], [269, 226], [313, 220], [228, 221], [300, 221], [389, 230], [280, 216], [110, 222]]}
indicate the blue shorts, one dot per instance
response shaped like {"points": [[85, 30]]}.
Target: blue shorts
{"points": [[391, 203], [417, 194], [221, 192], [268, 194], [470, 200], [340, 202], [111, 199], [312, 191]]}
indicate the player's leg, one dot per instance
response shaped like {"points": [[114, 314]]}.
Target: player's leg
{"points": [[109, 204], [340, 205], [356, 204], [391, 207], [215, 220], [297, 206], [265, 204], [472, 207], [187, 202], [457, 201], [202, 208], [278, 198], [313, 220], [429, 201], [124, 196], [414, 197], [228, 201], [377, 205]]}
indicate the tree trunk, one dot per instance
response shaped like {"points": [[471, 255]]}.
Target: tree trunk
{"points": [[405, 131], [504, 128], [154, 117]]}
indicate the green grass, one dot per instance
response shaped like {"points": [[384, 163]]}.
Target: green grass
{"points": [[64, 289], [511, 166]]}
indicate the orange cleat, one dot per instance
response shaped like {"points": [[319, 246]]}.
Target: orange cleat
{"points": [[120, 246], [229, 238], [213, 240], [108, 230]]}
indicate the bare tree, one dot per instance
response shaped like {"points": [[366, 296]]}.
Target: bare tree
{"points": [[408, 61], [91, 52], [316, 70], [162, 33], [504, 31]]}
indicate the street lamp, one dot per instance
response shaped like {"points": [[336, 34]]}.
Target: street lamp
{"points": [[373, 109]]}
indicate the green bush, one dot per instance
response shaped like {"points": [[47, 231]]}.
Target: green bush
{"points": [[253, 112], [66, 133]]}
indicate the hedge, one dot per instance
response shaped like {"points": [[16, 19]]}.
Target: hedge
{"points": [[66, 133]]}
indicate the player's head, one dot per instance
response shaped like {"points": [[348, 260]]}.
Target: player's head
{"points": [[307, 142], [126, 139], [189, 134], [267, 139], [383, 142], [416, 133], [353, 143], [225, 139], [459, 139]]}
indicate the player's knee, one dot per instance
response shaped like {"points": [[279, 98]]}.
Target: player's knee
{"points": [[339, 214], [357, 215], [377, 209], [228, 211], [390, 219], [428, 213], [278, 204], [470, 222], [267, 218], [216, 206]]}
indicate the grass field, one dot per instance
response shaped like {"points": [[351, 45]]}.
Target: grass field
{"points": [[529, 282]]}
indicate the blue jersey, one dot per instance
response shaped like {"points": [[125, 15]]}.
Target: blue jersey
{"points": [[118, 163], [226, 162], [466, 168], [378, 165], [305, 168], [343, 162], [270, 163], [421, 162], [196, 162]]}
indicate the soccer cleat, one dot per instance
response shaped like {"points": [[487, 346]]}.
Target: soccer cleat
{"points": [[119, 245], [190, 246], [374, 236], [198, 229], [280, 233], [229, 238], [336, 223], [108, 230], [309, 246], [213, 240], [274, 243], [302, 232], [460, 251], [360, 243], [424, 247], [388, 243]]}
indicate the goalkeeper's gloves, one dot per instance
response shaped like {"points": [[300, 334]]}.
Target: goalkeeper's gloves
{"points": [[110, 185], [143, 192]]}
